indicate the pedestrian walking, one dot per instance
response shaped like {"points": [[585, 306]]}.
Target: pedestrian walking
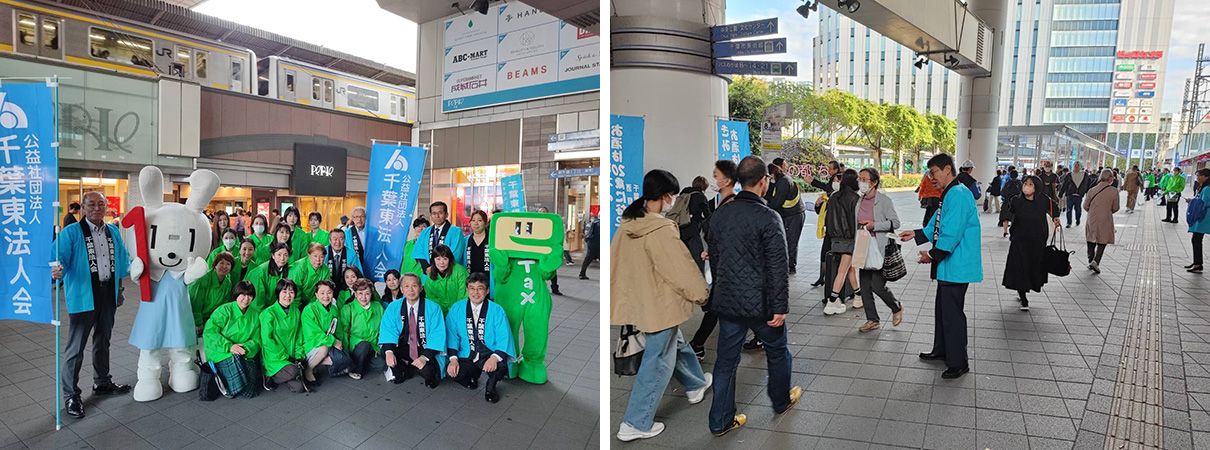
{"points": [[1101, 203], [1075, 185], [1050, 181], [993, 193], [724, 180], [783, 197], [841, 227], [1023, 271], [1172, 195], [592, 244], [1162, 187], [748, 259], [1151, 184], [695, 211], [832, 170], [1201, 227], [968, 180], [929, 195], [654, 287], [1132, 183], [1010, 190], [955, 263], [876, 215]]}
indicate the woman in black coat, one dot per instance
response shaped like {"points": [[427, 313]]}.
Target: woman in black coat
{"points": [[1024, 271]]}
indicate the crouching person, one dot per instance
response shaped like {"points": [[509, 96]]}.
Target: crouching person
{"points": [[281, 340], [360, 321], [413, 336], [232, 340], [320, 325], [479, 339]]}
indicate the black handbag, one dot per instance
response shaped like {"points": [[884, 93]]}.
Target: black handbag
{"points": [[893, 267], [210, 384], [1056, 259], [629, 353]]}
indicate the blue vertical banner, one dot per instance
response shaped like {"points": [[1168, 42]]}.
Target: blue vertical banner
{"points": [[733, 141], [28, 167], [395, 173], [513, 188], [625, 164]]}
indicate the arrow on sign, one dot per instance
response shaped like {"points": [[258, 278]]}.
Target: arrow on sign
{"points": [[770, 68], [748, 48], [742, 30]]}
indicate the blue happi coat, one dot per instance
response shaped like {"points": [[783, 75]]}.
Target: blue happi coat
{"points": [[453, 239], [367, 235], [959, 236], [434, 325], [497, 335], [77, 280]]}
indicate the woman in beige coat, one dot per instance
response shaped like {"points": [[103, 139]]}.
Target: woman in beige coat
{"points": [[1100, 202], [654, 284]]}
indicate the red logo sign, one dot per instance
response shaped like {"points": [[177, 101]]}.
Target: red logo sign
{"points": [[1146, 85], [518, 74], [1147, 76], [1123, 85], [583, 34], [1119, 118], [1131, 119], [1140, 55]]}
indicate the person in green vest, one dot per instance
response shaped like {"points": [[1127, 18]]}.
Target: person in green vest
{"points": [[345, 296], [1163, 185], [318, 235], [393, 291], [232, 342], [260, 238], [320, 323], [211, 290], [246, 260], [281, 339], [309, 271], [265, 276], [1149, 189], [298, 238], [1172, 193], [361, 321], [409, 264], [227, 244], [446, 281]]}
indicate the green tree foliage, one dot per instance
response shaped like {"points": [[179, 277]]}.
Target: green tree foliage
{"points": [[747, 98]]}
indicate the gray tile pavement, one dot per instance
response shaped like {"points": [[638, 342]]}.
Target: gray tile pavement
{"points": [[1040, 379], [342, 413]]}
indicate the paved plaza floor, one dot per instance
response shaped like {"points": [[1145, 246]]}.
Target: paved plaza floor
{"points": [[1063, 375], [343, 413]]}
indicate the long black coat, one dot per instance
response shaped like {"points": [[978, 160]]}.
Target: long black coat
{"points": [[1024, 270]]}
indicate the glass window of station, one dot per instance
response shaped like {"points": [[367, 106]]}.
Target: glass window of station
{"points": [[466, 189]]}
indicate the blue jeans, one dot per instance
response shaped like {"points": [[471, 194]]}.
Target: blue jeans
{"points": [[665, 356], [1075, 202], [731, 334]]}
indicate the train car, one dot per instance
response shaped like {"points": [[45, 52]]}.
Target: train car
{"points": [[300, 82], [86, 38]]}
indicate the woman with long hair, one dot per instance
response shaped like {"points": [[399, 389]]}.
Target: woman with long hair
{"points": [[654, 284], [446, 280], [221, 223], [226, 244], [351, 275], [265, 276], [476, 244], [298, 238], [410, 265], [841, 226], [1023, 271], [392, 290], [1201, 227]]}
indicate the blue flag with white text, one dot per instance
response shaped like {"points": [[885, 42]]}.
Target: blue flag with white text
{"points": [[395, 173]]}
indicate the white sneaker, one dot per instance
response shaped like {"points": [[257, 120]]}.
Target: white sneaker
{"points": [[840, 307], [696, 396], [834, 306], [857, 304], [628, 433], [1095, 267]]}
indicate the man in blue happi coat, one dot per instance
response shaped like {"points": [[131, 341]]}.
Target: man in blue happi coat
{"points": [[441, 232], [479, 339]]}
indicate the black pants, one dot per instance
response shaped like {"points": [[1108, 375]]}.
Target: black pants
{"points": [[794, 224], [1197, 248], [949, 331], [470, 371], [873, 282], [1095, 251], [594, 253], [554, 283], [709, 321], [930, 207], [99, 322], [1174, 209], [363, 354], [404, 369]]}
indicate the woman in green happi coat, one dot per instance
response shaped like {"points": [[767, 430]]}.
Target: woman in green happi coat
{"points": [[320, 326], [281, 338], [232, 342], [361, 320], [446, 281], [265, 276], [261, 238], [245, 260], [226, 244], [309, 271], [345, 296], [299, 239], [410, 265], [317, 234], [212, 290]]}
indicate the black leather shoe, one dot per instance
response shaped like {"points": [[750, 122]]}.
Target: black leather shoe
{"points": [[955, 372], [474, 384], [931, 356], [110, 387], [817, 283], [583, 277], [491, 396], [74, 406], [432, 385], [556, 292]]}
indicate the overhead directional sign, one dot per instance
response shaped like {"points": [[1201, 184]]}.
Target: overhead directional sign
{"points": [[761, 27], [768, 68], [749, 48]]}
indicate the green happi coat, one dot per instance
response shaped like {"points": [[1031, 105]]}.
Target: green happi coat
{"points": [[360, 324], [262, 248], [264, 284], [319, 236], [306, 277], [207, 293], [280, 337], [229, 326], [240, 272], [299, 242], [410, 265], [448, 290], [234, 251], [316, 320], [345, 297]]}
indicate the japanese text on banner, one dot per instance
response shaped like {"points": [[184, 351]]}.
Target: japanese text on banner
{"points": [[395, 174], [733, 141], [514, 193], [625, 164], [27, 167]]}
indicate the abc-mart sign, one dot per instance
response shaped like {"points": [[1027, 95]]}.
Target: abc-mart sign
{"points": [[1122, 54]]}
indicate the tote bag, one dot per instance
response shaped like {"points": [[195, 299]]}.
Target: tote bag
{"points": [[893, 267], [629, 353], [1056, 259]]}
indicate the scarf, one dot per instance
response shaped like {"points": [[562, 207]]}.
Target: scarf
{"points": [[487, 259], [474, 328], [437, 237], [86, 228], [357, 242]]}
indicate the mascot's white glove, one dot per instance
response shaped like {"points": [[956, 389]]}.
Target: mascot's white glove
{"points": [[197, 269], [136, 269]]}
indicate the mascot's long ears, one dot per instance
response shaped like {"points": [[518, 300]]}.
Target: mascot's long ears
{"points": [[203, 183]]}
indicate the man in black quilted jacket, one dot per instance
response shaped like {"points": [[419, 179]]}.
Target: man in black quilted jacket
{"points": [[751, 292]]}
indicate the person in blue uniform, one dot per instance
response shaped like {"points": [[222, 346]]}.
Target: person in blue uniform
{"points": [[479, 339], [441, 232], [413, 336]]}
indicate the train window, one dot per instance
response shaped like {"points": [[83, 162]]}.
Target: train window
{"points": [[403, 107], [394, 107], [315, 88], [50, 34], [327, 91], [200, 60], [183, 56], [362, 98], [26, 29], [290, 82], [237, 71], [122, 48]]}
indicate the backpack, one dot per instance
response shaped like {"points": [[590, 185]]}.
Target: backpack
{"points": [[1196, 211], [680, 210]]}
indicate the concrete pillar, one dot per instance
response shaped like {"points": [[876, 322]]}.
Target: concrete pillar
{"points": [[661, 70], [979, 104]]}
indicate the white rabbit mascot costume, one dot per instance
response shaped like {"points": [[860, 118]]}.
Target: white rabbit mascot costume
{"points": [[172, 241]]}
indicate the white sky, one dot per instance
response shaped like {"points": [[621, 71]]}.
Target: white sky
{"points": [[356, 27]]}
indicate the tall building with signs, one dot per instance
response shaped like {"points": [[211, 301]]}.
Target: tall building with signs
{"points": [[1097, 66]]}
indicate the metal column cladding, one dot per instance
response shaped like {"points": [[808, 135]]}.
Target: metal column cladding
{"points": [[319, 170]]}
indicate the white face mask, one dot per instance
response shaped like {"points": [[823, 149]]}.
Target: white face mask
{"points": [[228, 243], [666, 206], [835, 186], [258, 229], [863, 187]]}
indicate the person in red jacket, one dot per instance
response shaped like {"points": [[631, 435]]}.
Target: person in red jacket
{"points": [[930, 197]]}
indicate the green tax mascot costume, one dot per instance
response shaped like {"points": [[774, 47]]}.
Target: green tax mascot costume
{"points": [[526, 249]]}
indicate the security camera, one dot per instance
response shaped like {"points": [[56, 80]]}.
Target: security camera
{"points": [[852, 5], [806, 8]]}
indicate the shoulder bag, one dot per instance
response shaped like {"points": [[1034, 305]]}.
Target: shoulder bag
{"points": [[1056, 259], [893, 267], [629, 353]]}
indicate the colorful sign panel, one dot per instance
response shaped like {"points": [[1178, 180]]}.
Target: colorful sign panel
{"points": [[395, 173], [733, 142], [625, 164], [515, 53], [29, 184], [513, 189]]}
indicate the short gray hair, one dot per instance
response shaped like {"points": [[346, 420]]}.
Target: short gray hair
{"points": [[101, 194], [1106, 174]]}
